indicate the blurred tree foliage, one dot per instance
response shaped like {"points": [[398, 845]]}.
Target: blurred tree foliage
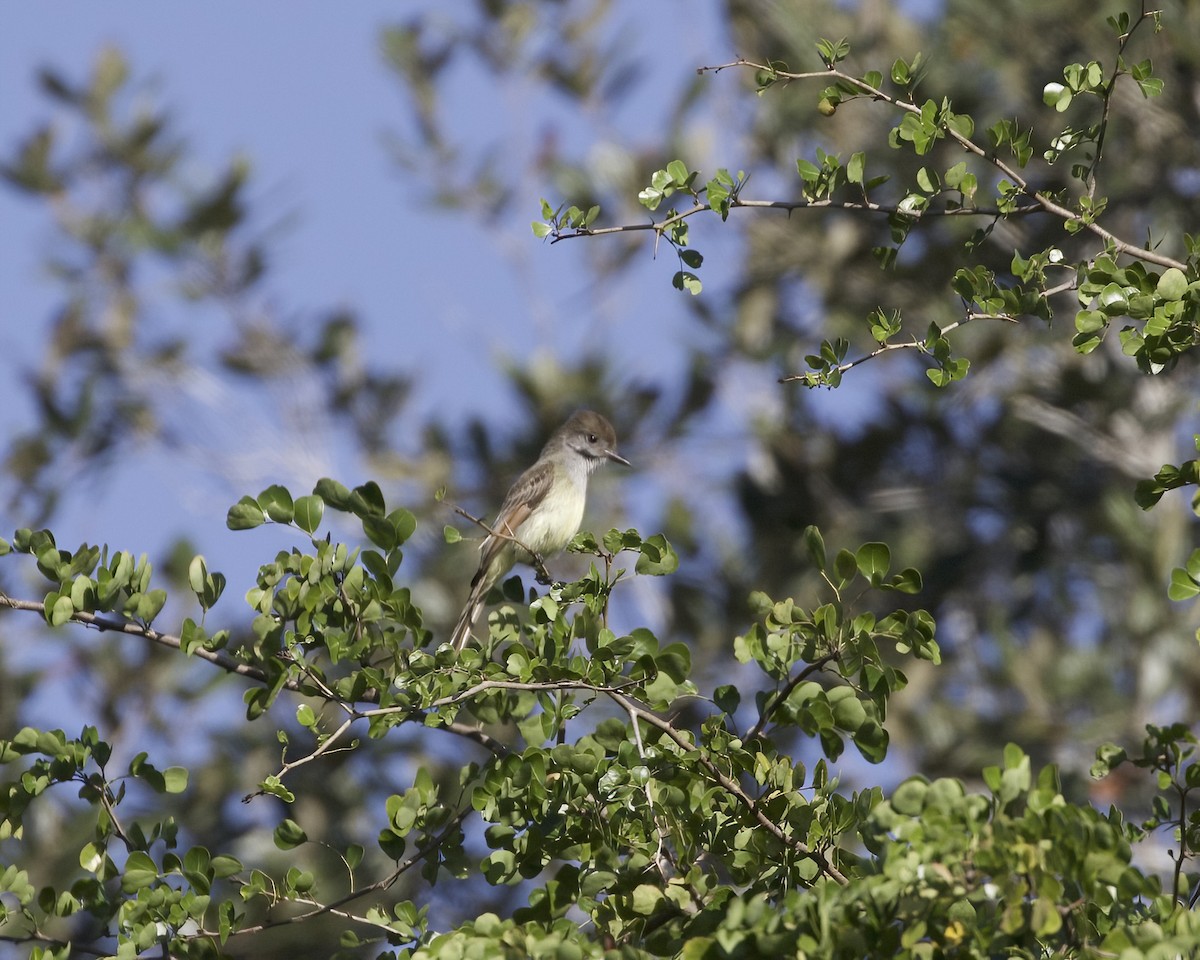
{"points": [[1012, 490]]}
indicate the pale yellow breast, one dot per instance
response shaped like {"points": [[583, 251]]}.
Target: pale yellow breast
{"points": [[557, 518]]}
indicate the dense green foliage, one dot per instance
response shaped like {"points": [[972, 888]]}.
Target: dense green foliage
{"points": [[703, 840], [567, 790]]}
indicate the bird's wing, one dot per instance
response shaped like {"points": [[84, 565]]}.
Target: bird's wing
{"points": [[529, 491]]}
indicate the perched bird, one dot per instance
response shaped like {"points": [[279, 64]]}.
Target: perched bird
{"points": [[543, 509]]}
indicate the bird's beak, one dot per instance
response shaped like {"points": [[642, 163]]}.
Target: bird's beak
{"points": [[617, 458]]}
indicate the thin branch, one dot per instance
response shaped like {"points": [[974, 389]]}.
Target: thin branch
{"points": [[322, 748], [784, 692], [105, 623], [788, 206], [851, 364], [518, 685], [1106, 100], [481, 737], [106, 801], [1071, 283], [1181, 825], [914, 344]]}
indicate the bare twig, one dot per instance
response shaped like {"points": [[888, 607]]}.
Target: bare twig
{"points": [[322, 748]]}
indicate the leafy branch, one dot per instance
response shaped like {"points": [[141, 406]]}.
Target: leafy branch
{"points": [[1164, 307]]}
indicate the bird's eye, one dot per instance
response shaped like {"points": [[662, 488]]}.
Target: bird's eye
{"points": [[592, 438]]}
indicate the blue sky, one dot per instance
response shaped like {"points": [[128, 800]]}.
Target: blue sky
{"points": [[302, 91], [299, 88]]}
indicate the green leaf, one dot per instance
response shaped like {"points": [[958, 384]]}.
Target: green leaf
{"points": [[392, 844], [276, 503], [1193, 565], [273, 786], [197, 574], [1045, 919], [140, 872], [141, 767], [848, 711], [1057, 96], [309, 511], [246, 514], [333, 493], [367, 500], [727, 698], [150, 604], [646, 898], [58, 609], [678, 171], [907, 580], [874, 560], [961, 124], [832, 52], [1182, 586], [403, 522], [289, 834], [175, 779], [909, 798], [1172, 285], [650, 198], [92, 858], [380, 532], [855, 168], [656, 557], [815, 544], [845, 565]]}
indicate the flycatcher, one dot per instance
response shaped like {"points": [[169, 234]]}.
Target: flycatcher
{"points": [[543, 509]]}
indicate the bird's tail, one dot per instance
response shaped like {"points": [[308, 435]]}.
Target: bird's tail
{"points": [[462, 630]]}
